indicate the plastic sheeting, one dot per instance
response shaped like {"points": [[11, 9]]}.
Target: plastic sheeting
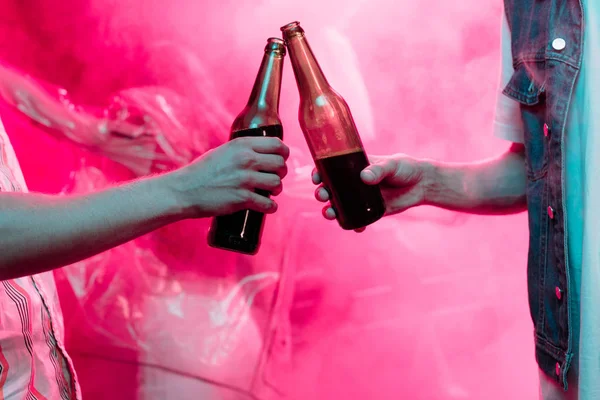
{"points": [[179, 319], [175, 317]]}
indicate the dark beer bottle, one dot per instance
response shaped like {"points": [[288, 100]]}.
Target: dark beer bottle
{"points": [[332, 137], [241, 231]]}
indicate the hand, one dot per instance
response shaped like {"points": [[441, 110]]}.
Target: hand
{"points": [[224, 180], [400, 177]]}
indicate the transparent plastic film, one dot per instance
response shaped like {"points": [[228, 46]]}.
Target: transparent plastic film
{"points": [[165, 313], [146, 129]]}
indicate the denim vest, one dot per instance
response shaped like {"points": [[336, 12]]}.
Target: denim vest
{"points": [[547, 43]]}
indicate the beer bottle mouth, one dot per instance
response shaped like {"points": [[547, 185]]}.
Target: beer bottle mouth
{"points": [[292, 29], [275, 45], [290, 25]]}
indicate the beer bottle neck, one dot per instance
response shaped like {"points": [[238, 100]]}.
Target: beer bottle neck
{"points": [[308, 73], [267, 87]]}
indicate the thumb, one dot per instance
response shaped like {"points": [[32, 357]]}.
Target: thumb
{"points": [[378, 171]]}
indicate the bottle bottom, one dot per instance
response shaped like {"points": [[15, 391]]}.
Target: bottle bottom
{"points": [[239, 232], [235, 245], [362, 221]]}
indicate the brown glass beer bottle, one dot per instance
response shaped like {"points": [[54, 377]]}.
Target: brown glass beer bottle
{"points": [[242, 231], [332, 137]]}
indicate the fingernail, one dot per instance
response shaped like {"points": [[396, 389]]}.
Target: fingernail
{"points": [[368, 175]]}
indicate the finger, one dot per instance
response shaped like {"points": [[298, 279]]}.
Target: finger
{"points": [[277, 191], [269, 145], [328, 213], [271, 163], [259, 203], [322, 194], [316, 178], [375, 173], [264, 181]]}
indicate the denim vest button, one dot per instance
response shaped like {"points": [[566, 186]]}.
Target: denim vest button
{"points": [[557, 369], [550, 212], [546, 130], [558, 293], [559, 44]]}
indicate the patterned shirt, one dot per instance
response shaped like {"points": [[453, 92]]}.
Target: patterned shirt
{"points": [[33, 362]]}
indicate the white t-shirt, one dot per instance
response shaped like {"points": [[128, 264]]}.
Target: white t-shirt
{"points": [[582, 160]]}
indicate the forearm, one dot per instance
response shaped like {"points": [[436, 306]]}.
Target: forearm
{"points": [[39, 232], [490, 187]]}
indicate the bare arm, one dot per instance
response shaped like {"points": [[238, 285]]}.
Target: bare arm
{"points": [[490, 187], [40, 232], [495, 186]]}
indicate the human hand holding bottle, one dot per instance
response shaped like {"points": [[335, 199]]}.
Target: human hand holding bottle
{"points": [[403, 181], [332, 137], [225, 179]]}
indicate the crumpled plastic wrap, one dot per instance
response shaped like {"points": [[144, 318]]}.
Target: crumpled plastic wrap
{"points": [[166, 310], [146, 129], [152, 129], [143, 306], [163, 316]]}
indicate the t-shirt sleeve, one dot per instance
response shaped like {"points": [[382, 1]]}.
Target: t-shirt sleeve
{"points": [[508, 124]]}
